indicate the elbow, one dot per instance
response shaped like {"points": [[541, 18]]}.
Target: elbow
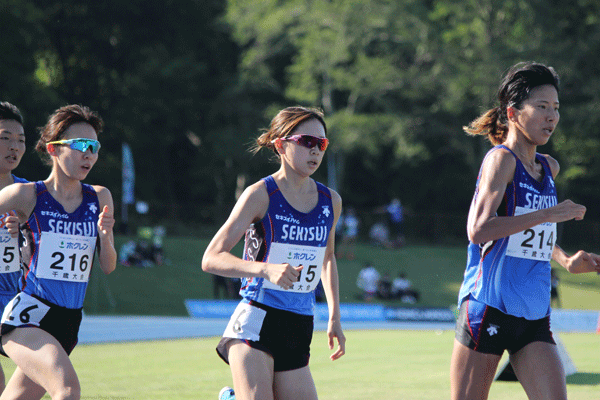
{"points": [[206, 267], [476, 235], [109, 269]]}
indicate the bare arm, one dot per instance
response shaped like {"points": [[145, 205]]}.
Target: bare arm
{"points": [[20, 198], [251, 207], [331, 285], [107, 255], [483, 225], [578, 263]]}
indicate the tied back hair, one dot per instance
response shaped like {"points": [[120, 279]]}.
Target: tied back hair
{"points": [[515, 88], [284, 124]]}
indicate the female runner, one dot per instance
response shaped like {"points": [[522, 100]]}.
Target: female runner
{"points": [[505, 296], [12, 148], [288, 221], [65, 222]]}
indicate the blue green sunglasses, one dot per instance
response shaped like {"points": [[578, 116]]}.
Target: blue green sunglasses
{"points": [[80, 144]]}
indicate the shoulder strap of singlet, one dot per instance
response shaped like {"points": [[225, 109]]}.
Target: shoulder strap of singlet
{"points": [[323, 189], [40, 187], [271, 185], [88, 189], [545, 163], [501, 146]]}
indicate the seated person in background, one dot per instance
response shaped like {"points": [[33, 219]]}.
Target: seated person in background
{"points": [[384, 287], [402, 289], [367, 281]]}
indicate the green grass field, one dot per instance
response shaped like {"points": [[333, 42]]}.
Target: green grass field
{"points": [[435, 271], [378, 365]]}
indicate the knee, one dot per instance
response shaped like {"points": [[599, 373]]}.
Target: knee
{"points": [[68, 392]]}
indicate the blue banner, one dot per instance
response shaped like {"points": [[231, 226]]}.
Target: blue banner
{"points": [[128, 175]]}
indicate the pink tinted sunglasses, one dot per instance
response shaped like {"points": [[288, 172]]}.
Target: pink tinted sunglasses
{"points": [[307, 141]]}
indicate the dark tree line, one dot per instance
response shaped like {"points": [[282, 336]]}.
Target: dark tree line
{"points": [[189, 83]]}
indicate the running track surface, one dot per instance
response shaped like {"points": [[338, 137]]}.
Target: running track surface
{"points": [[101, 329], [104, 329]]}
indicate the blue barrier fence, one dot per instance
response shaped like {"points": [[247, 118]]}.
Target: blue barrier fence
{"points": [[561, 320]]}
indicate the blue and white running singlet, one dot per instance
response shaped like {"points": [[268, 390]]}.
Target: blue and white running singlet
{"points": [[286, 235], [10, 265], [512, 274], [58, 247]]}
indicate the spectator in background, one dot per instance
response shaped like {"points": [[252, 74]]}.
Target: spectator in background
{"points": [[380, 236], [396, 220], [402, 289], [349, 235], [384, 286], [368, 279]]}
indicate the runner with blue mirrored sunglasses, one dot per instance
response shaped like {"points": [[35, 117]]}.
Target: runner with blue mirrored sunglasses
{"points": [[80, 144]]}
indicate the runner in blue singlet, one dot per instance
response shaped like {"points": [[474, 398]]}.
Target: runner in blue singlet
{"points": [[288, 221], [12, 148], [504, 300], [64, 223]]}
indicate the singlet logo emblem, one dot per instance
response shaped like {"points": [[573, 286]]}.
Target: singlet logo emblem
{"points": [[326, 211], [93, 207], [493, 329]]}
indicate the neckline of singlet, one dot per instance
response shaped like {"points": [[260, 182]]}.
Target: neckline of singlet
{"points": [[277, 189], [45, 188], [540, 158]]}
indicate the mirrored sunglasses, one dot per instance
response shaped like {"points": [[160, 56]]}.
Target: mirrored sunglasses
{"points": [[308, 141], [80, 144]]}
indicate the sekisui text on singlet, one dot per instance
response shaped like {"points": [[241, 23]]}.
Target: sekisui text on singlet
{"points": [[10, 263], [512, 274], [286, 235], [58, 248]]}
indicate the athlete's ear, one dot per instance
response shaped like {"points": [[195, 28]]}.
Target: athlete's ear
{"points": [[51, 149], [278, 145], [512, 113]]}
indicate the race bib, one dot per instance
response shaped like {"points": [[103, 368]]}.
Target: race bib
{"points": [[245, 323], [9, 253], [310, 257], [65, 257], [536, 243], [24, 309]]}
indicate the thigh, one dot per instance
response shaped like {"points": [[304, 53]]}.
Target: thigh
{"points": [[20, 387], [42, 358], [252, 371], [296, 384], [471, 373], [540, 371]]}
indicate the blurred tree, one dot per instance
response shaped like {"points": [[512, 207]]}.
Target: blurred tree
{"points": [[153, 70], [355, 59]]}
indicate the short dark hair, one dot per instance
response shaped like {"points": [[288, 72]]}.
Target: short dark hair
{"points": [[10, 111], [60, 121]]}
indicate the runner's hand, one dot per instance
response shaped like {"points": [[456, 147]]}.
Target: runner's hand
{"points": [[11, 222], [283, 275], [106, 221], [334, 330], [566, 211], [582, 262]]}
